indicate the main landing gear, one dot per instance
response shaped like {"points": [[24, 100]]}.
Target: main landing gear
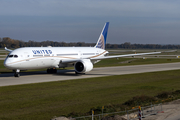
{"points": [[51, 70], [16, 73]]}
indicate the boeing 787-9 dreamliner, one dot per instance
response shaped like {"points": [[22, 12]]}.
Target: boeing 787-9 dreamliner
{"points": [[82, 58]]}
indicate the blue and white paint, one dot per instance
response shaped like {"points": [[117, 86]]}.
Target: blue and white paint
{"points": [[102, 38], [42, 51]]}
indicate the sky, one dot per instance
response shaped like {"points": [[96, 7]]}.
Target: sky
{"points": [[134, 21]]}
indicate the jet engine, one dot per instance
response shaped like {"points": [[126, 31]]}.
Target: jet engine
{"points": [[83, 66]]}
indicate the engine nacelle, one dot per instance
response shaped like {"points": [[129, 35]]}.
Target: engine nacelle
{"points": [[83, 66]]}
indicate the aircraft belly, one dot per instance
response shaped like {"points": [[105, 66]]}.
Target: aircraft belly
{"points": [[35, 64]]}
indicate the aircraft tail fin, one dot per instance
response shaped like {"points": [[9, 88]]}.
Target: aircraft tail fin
{"points": [[101, 43]]}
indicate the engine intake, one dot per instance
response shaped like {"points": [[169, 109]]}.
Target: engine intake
{"points": [[83, 66]]}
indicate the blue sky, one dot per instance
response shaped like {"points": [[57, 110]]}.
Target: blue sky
{"points": [[135, 21]]}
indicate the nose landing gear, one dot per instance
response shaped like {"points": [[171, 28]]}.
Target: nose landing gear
{"points": [[16, 73]]}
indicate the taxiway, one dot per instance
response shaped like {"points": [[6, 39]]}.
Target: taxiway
{"points": [[41, 76]]}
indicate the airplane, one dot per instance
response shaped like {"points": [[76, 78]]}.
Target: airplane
{"points": [[82, 58]]}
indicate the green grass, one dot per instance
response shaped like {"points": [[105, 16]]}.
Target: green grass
{"points": [[45, 100]]}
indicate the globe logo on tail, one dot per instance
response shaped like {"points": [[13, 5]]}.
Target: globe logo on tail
{"points": [[102, 38], [100, 43]]}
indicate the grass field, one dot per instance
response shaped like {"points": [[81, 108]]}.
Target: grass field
{"points": [[45, 100]]}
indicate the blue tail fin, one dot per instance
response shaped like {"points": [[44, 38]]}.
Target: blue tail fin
{"points": [[101, 43]]}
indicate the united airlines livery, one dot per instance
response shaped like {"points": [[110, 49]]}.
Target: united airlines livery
{"points": [[82, 58]]}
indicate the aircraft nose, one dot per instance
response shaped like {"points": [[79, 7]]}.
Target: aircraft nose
{"points": [[7, 63]]}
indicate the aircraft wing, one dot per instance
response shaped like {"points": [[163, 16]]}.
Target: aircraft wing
{"points": [[106, 57], [8, 49], [126, 55]]}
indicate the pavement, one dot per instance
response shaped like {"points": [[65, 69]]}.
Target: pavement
{"points": [[8, 79], [171, 111]]}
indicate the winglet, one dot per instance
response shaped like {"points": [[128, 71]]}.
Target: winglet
{"points": [[101, 43], [8, 49]]}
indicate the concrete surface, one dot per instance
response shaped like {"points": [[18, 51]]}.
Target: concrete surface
{"points": [[41, 76], [171, 111]]}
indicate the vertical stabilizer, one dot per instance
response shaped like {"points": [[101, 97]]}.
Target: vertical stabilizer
{"points": [[101, 43]]}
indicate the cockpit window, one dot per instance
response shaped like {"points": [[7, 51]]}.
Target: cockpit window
{"points": [[15, 56], [10, 56]]}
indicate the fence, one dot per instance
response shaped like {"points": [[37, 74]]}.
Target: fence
{"points": [[128, 114]]}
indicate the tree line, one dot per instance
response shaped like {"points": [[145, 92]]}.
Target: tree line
{"points": [[12, 43]]}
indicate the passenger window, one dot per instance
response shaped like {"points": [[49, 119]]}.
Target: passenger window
{"points": [[10, 56], [15, 56]]}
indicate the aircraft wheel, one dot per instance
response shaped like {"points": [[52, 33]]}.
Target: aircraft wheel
{"points": [[16, 74], [54, 70], [51, 70], [48, 71]]}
